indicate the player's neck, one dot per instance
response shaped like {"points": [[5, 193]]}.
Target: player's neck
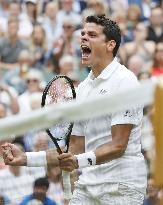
{"points": [[99, 67]]}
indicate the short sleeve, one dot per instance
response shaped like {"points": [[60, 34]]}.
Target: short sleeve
{"points": [[128, 116], [132, 115]]}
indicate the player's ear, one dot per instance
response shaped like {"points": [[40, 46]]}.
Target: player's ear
{"points": [[111, 45]]}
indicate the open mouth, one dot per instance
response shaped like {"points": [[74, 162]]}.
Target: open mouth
{"points": [[86, 51]]}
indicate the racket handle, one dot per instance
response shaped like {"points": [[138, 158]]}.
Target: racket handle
{"points": [[66, 185]]}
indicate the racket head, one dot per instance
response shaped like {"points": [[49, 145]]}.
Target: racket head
{"points": [[59, 90]]}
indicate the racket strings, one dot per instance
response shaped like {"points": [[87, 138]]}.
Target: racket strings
{"points": [[59, 92]]}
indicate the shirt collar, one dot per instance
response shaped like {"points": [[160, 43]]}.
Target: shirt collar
{"points": [[107, 72]]}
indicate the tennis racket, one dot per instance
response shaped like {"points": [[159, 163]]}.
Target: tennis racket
{"points": [[60, 89]]}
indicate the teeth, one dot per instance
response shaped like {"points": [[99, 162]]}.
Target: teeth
{"points": [[84, 46]]}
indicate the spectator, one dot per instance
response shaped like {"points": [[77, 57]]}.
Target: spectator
{"points": [[40, 188], [67, 11], [50, 69], [38, 46], [140, 46], [31, 11], [25, 26], [100, 7], [4, 7], [34, 85], [152, 193], [11, 46], [68, 67], [50, 23], [133, 16], [136, 64], [37, 140], [64, 44], [155, 29], [157, 68], [55, 191], [16, 77], [9, 97], [41, 141], [126, 33], [2, 200], [15, 183], [14, 10]]}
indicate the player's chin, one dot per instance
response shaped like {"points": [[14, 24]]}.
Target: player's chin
{"points": [[86, 61]]}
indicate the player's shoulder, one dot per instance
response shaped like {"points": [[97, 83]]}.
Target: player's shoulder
{"points": [[125, 74]]}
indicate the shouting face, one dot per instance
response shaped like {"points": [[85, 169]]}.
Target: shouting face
{"points": [[94, 46]]}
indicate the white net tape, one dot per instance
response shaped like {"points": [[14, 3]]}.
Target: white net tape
{"points": [[142, 94]]}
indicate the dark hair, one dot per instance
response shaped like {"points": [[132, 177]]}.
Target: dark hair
{"points": [[42, 181], [111, 29]]}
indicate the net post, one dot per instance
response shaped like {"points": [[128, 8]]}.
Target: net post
{"points": [[158, 133]]}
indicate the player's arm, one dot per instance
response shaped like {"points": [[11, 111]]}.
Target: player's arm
{"points": [[103, 154], [13, 155], [115, 148]]}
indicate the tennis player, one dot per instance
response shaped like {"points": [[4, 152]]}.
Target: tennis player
{"points": [[113, 167]]}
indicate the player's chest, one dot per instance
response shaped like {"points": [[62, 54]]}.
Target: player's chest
{"points": [[94, 89]]}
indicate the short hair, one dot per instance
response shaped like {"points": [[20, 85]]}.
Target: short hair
{"points": [[42, 181], [111, 29]]}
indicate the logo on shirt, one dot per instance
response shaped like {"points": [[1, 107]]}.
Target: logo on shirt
{"points": [[128, 114], [102, 91], [89, 161]]}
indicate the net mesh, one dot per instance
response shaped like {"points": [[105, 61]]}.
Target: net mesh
{"points": [[29, 132]]}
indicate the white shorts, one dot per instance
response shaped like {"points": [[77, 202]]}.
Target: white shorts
{"points": [[106, 194]]}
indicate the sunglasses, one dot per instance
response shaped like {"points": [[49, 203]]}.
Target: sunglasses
{"points": [[32, 80]]}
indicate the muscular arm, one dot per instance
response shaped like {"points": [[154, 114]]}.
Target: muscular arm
{"points": [[115, 148], [14, 156], [104, 153]]}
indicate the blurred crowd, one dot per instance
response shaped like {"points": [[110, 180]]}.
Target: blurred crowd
{"points": [[40, 39]]}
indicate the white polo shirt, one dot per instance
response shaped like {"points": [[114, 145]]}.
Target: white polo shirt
{"points": [[130, 168]]}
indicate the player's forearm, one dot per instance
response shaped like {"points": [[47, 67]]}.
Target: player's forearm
{"points": [[108, 152], [116, 148], [101, 155], [41, 158]]}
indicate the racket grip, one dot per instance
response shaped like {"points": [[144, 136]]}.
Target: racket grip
{"points": [[66, 185]]}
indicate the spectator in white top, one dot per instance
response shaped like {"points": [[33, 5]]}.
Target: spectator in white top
{"points": [[68, 67], [16, 182], [8, 96], [112, 150], [67, 11], [50, 23], [34, 85]]}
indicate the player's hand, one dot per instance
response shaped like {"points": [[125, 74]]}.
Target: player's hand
{"points": [[67, 162], [13, 155]]}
